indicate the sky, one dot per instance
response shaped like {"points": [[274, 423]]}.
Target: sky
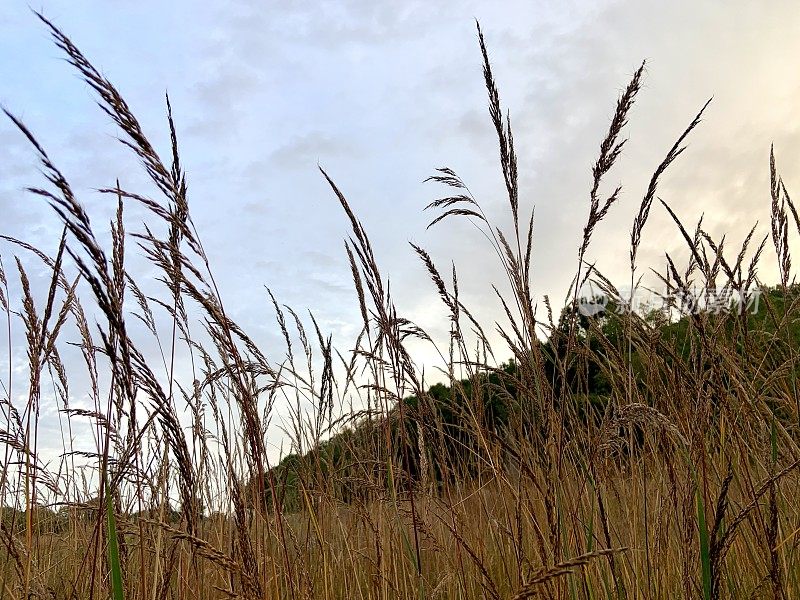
{"points": [[380, 94]]}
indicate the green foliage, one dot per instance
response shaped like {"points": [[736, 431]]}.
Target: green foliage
{"points": [[113, 549], [44, 519], [455, 416]]}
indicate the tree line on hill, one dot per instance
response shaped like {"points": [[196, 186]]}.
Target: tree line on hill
{"points": [[472, 423]]}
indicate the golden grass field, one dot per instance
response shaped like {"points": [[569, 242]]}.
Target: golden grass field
{"points": [[675, 477]]}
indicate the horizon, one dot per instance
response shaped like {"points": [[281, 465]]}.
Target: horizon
{"points": [[356, 89]]}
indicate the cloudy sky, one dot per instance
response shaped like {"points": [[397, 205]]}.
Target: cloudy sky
{"points": [[381, 93]]}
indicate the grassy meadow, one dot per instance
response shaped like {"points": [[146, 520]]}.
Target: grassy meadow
{"points": [[618, 454]]}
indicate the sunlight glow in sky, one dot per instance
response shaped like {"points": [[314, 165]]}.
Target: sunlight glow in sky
{"points": [[380, 94]]}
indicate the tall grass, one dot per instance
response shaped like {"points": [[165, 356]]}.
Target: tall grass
{"points": [[679, 479]]}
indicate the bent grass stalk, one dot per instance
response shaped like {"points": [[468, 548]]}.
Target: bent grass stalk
{"points": [[607, 457]]}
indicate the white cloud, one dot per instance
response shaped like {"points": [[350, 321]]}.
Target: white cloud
{"points": [[381, 93]]}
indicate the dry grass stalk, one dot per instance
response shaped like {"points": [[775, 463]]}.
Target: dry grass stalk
{"points": [[391, 487]]}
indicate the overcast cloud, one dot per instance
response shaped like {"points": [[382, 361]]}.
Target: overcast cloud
{"points": [[381, 93]]}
